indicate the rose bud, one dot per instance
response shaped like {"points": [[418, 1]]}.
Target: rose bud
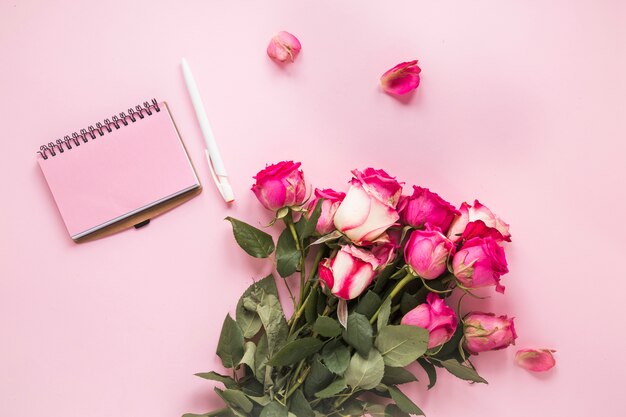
{"points": [[349, 273], [535, 360], [436, 317], [402, 78], [426, 207], [384, 249], [479, 263], [485, 331], [284, 47], [280, 185], [478, 221], [369, 208], [427, 253], [331, 202]]}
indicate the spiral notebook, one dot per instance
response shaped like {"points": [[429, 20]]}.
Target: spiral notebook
{"points": [[119, 173]]}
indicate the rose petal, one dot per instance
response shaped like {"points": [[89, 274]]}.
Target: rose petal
{"points": [[535, 360]]}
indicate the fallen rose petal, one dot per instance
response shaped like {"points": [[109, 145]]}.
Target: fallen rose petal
{"points": [[402, 78], [284, 47], [535, 360]]}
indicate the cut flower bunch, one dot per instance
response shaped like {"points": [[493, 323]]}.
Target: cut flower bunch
{"points": [[376, 270]]}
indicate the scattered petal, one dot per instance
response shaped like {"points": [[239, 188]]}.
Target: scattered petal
{"points": [[402, 78], [284, 47], [535, 360]]}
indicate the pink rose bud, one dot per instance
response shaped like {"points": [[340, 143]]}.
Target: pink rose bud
{"points": [[434, 316], [479, 263], [425, 207], [369, 207], [478, 221], [284, 47], [331, 202], [280, 185], [427, 253], [349, 273], [402, 78], [384, 249], [535, 360], [486, 331]]}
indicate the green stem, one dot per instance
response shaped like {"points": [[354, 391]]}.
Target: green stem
{"points": [[299, 382], [294, 234], [407, 278]]}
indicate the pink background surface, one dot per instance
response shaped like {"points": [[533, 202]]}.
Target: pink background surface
{"points": [[522, 105]]}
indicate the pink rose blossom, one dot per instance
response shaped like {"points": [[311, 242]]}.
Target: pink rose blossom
{"points": [[535, 360], [280, 185], [479, 263], [478, 221], [402, 78], [349, 273], [369, 208], [284, 47], [486, 331], [427, 253], [331, 202], [434, 316], [384, 249], [426, 207]]}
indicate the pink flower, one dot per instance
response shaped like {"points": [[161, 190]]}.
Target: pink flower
{"points": [[485, 331], [426, 207], [536, 360], [478, 221], [479, 263], [384, 249], [349, 273], [280, 185], [427, 253], [369, 208], [284, 47], [402, 78], [434, 316], [331, 202]]}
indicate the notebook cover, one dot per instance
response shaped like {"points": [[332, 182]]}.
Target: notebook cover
{"points": [[111, 180]]}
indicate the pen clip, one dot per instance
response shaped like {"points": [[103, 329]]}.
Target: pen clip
{"points": [[220, 181]]}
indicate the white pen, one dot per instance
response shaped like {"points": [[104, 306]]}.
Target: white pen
{"points": [[212, 152]]}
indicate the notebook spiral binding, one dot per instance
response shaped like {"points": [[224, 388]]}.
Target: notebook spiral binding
{"points": [[106, 126]]}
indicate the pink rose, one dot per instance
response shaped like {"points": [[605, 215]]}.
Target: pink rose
{"points": [[478, 221], [280, 185], [434, 316], [384, 249], [427, 253], [479, 263], [535, 360], [331, 202], [284, 47], [402, 78], [426, 207], [369, 207], [349, 273], [485, 331]]}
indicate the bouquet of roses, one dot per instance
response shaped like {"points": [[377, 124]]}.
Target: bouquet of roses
{"points": [[376, 269]]}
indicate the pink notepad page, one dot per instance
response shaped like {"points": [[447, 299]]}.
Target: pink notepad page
{"points": [[120, 173]]}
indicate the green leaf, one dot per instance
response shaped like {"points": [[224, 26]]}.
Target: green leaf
{"points": [[383, 276], [235, 399], [230, 345], [300, 406], [295, 351], [249, 321], [431, 371], [392, 410], [403, 402], [310, 310], [336, 356], [214, 376], [274, 409], [333, 389], [397, 376], [462, 371], [359, 333], [400, 345], [254, 241], [368, 304], [310, 223], [318, 379], [249, 350], [261, 358], [383, 315], [408, 302], [287, 255], [273, 319], [327, 327], [365, 373], [222, 413]]}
